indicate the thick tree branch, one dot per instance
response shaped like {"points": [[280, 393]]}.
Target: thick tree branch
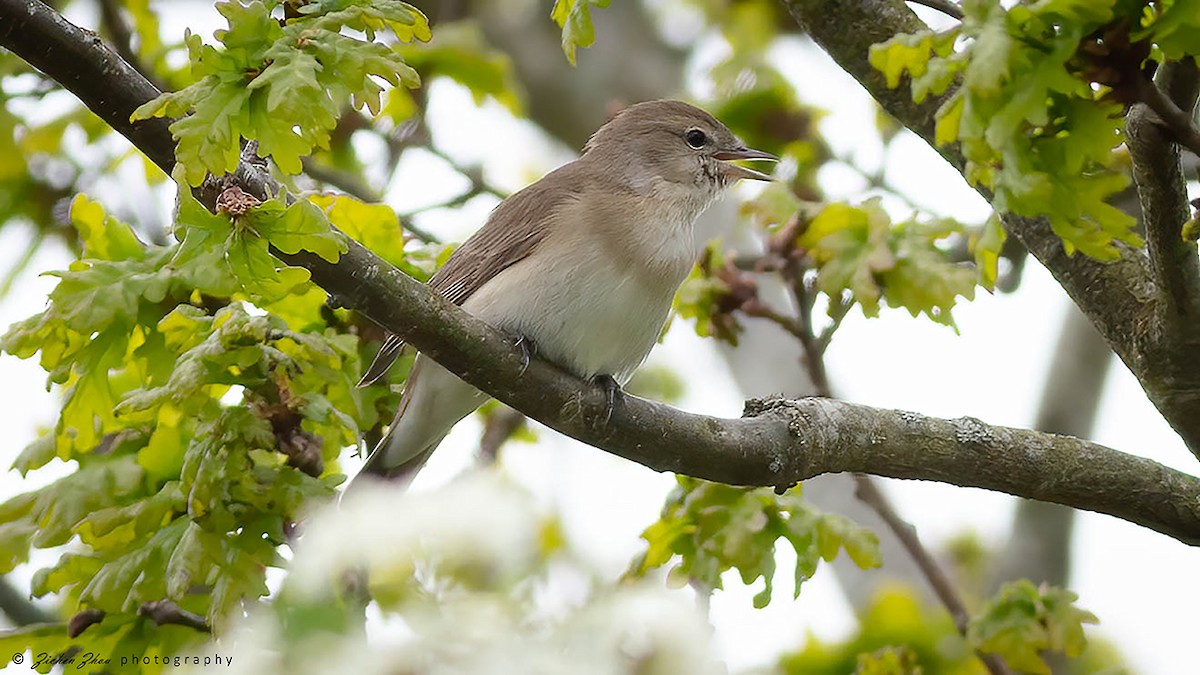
{"points": [[1119, 297], [777, 442]]}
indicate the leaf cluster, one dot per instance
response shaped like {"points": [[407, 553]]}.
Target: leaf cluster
{"points": [[898, 634], [1036, 116], [202, 425], [1022, 622], [859, 249], [849, 254], [281, 81], [712, 528]]}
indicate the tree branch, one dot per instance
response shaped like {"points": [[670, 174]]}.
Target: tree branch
{"points": [[866, 489], [1119, 297], [946, 7], [870, 493], [80, 61], [114, 23], [499, 428], [1153, 129], [1174, 110], [20, 610], [164, 612], [776, 442]]}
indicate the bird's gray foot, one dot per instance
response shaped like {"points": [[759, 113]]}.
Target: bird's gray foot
{"points": [[612, 393], [528, 351]]}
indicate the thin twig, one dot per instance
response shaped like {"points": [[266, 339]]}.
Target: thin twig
{"points": [[867, 491], [415, 136], [19, 609], [1175, 118], [499, 428], [837, 313], [164, 612], [422, 235], [877, 181], [944, 6], [479, 184], [870, 494], [787, 323], [345, 181], [121, 34], [356, 187], [453, 202], [805, 298]]}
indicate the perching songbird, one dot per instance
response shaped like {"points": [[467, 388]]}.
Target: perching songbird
{"points": [[584, 264]]}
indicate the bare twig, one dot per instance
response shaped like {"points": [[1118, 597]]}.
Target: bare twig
{"points": [[762, 311], [1178, 120], [837, 313], [946, 7], [164, 612], [866, 489], [877, 181], [805, 297], [355, 187], [345, 181], [869, 493], [422, 235], [451, 203], [118, 28], [499, 428], [19, 609], [479, 185]]}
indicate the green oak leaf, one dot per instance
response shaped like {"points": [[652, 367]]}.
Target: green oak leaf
{"points": [[575, 19]]}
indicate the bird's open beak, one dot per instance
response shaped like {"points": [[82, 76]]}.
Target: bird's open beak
{"points": [[735, 172]]}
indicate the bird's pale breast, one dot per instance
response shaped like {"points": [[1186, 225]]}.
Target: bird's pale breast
{"points": [[585, 308]]}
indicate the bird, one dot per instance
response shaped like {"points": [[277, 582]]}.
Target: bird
{"points": [[582, 266]]}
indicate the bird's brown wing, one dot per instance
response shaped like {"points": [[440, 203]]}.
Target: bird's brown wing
{"points": [[510, 234]]}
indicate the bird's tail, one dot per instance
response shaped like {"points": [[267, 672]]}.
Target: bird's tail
{"points": [[392, 347], [434, 400], [400, 474]]}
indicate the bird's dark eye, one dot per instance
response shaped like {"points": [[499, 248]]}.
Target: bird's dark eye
{"points": [[695, 138]]}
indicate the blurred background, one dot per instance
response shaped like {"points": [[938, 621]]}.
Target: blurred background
{"points": [[500, 107]]}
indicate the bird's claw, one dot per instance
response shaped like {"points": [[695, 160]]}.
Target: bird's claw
{"points": [[612, 392], [528, 349]]}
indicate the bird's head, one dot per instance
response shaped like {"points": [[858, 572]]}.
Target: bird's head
{"points": [[673, 141]]}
